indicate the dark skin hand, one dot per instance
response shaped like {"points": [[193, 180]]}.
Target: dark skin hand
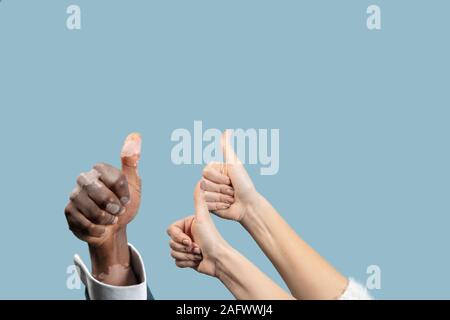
{"points": [[105, 200]]}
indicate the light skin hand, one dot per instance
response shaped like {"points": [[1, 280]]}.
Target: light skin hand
{"points": [[198, 233], [306, 273], [186, 253], [230, 192], [195, 241], [104, 201]]}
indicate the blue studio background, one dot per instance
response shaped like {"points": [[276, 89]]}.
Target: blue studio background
{"points": [[363, 118]]}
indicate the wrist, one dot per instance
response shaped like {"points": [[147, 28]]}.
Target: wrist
{"points": [[257, 220], [252, 209], [111, 262], [223, 258]]}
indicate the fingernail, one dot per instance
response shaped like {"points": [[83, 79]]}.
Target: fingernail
{"points": [[186, 242], [124, 200], [115, 220], [197, 257], [197, 251], [122, 211], [112, 208]]}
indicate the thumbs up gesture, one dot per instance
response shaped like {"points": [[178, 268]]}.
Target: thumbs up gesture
{"points": [[229, 190], [195, 241], [106, 198]]}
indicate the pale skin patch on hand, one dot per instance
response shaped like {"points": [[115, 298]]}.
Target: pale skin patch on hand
{"points": [[131, 151], [88, 178], [75, 192], [97, 191], [121, 273], [85, 179]]}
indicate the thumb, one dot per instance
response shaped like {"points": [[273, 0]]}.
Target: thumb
{"points": [[229, 156], [200, 206], [130, 155], [238, 174]]}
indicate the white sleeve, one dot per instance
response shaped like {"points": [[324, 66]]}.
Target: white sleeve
{"points": [[100, 291], [355, 291]]}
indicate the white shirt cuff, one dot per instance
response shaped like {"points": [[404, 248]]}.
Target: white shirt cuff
{"points": [[100, 291], [355, 291]]}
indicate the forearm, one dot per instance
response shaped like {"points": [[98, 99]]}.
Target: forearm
{"points": [[244, 280], [111, 261], [306, 273]]}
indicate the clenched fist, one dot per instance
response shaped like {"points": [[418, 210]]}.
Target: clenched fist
{"points": [[195, 241], [104, 201], [106, 198], [229, 190]]}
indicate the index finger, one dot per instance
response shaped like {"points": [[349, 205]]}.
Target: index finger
{"points": [[175, 231]]}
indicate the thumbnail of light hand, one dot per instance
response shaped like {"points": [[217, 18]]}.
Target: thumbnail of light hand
{"points": [[198, 233], [104, 201], [306, 273]]}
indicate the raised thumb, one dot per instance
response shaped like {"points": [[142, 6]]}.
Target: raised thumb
{"points": [[200, 206], [229, 156], [130, 155]]}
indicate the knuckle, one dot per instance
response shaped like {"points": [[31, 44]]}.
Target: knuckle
{"points": [[174, 245], [91, 228], [84, 187], [100, 216], [99, 165], [80, 179], [74, 194], [103, 167], [100, 213], [122, 182], [89, 188], [110, 199], [102, 199]]}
